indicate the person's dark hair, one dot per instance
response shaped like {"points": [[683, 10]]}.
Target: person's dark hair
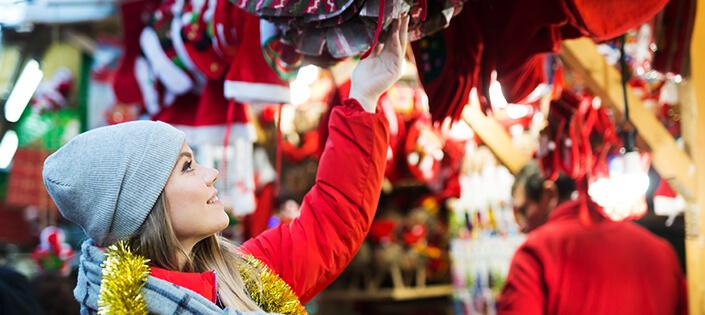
{"points": [[532, 177], [565, 186]]}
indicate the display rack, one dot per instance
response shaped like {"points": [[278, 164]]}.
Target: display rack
{"points": [[396, 294]]}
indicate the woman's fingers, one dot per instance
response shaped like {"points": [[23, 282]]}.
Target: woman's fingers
{"points": [[393, 38], [399, 36], [404, 32], [378, 49]]}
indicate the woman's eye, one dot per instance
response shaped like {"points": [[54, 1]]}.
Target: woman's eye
{"points": [[187, 166]]}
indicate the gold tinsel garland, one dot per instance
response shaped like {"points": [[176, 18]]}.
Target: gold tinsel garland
{"points": [[124, 274], [274, 295]]}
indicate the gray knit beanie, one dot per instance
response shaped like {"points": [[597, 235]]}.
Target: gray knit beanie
{"points": [[108, 179]]}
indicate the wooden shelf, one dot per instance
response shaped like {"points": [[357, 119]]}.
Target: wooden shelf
{"points": [[396, 294]]}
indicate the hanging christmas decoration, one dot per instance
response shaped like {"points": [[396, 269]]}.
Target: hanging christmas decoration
{"points": [[424, 149], [581, 141], [342, 28], [510, 38], [274, 295], [124, 274], [53, 254]]}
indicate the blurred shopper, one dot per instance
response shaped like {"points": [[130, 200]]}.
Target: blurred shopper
{"points": [[16, 296], [55, 293], [535, 198], [566, 267]]}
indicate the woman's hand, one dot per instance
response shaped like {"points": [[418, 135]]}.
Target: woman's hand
{"points": [[376, 74]]}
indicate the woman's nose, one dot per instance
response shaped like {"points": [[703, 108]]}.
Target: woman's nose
{"points": [[211, 175]]}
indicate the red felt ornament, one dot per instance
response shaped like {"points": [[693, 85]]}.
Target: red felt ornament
{"points": [[423, 149]]}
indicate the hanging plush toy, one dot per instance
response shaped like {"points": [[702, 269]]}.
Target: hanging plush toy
{"points": [[53, 254], [53, 94]]}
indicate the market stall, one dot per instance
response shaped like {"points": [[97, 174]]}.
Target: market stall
{"points": [[486, 88]]}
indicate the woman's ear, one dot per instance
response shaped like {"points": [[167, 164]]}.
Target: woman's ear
{"points": [[549, 196]]}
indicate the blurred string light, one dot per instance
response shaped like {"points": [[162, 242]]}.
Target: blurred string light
{"points": [[516, 111], [300, 88], [22, 91], [21, 13], [496, 96], [12, 12], [300, 93], [8, 147], [307, 75], [627, 182], [461, 131], [537, 118]]}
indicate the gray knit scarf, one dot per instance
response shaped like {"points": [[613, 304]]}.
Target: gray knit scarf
{"points": [[161, 297]]}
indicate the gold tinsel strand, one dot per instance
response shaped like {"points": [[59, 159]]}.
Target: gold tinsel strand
{"points": [[124, 274], [274, 295]]}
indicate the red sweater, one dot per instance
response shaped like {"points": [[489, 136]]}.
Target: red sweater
{"points": [[608, 268]]}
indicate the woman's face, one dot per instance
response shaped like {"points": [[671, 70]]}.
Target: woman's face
{"points": [[195, 211]]}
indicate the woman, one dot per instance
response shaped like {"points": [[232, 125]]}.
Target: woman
{"points": [[138, 182]]}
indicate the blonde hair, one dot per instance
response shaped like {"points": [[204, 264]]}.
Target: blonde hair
{"points": [[156, 240]]}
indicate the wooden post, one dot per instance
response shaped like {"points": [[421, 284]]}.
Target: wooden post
{"points": [[494, 136], [694, 102], [606, 82]]}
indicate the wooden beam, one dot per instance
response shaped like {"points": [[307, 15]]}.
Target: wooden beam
{"points": [[606, 82], [694, 104], [494, 136], [396, 294]]}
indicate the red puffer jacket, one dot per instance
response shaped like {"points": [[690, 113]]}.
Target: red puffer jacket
{"points": [[311, 251]]}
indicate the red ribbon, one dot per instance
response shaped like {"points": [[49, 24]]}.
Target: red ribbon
{"points": [[380, 21], [277, 182]]}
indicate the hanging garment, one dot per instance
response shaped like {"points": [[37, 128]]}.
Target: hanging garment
{"points": [[344, 28], [195, 66], [674, 35], [509, 37], [185, 44]]}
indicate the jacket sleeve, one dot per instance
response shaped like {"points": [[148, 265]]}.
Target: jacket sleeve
{"points": [[524, 291], [312, 250]]}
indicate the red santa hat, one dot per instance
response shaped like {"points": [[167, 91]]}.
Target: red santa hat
{"points": [[666, 201], [249, 79]]}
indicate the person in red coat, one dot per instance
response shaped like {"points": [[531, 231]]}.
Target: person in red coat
{"points": [[535, 198], [139, 182], [566, 267]]}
